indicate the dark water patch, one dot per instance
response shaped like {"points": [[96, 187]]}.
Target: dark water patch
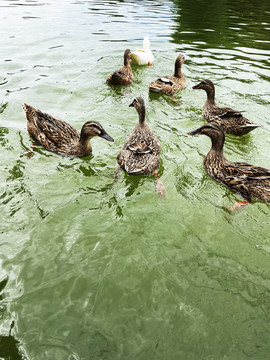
{"points": [[55, 47], [3, 283], [30, 17], [9, 347], [4, 132], [26, 4], [19, 89]]}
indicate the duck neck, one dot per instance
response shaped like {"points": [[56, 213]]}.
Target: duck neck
{"points": [[210, 95], [84, 141], [126, 61], [217, 144], [177, 69], [141, 113]]}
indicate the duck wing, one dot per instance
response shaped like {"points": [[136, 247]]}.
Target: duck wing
{"points": [[166, 81], [140, 153], [123, 76], [139, 148], [143, 164], [228, 112], [244, 171], [48, 131], [54, 129], [251, 182], [252, 171], [119, 76], [164, 85]]}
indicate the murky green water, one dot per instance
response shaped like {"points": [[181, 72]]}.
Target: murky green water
{"points": [[93, 268]]}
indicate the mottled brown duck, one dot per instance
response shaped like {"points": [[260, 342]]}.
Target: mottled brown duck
{"points": [[123, 76], [170, 84], [141, 151], [251, 182], [232, 121], [60, 137]]}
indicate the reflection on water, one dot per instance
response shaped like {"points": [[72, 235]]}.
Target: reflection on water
{"points": [[94, 267], [225, 23], [9, 345]]}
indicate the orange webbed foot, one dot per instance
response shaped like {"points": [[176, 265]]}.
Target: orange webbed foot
{"points": [[239, 205]]}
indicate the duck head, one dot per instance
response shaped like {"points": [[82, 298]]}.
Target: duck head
{"points": [[180, 60], [214, 131], [94, 128], [204, 85], [209, 87]]}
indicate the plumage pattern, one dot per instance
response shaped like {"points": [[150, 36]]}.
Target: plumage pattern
{"points": [[251, 182], [60, 137], [170, 84], [232, 121], [140, 153], [123, 76]]}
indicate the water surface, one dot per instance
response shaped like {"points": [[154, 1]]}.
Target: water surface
{"points": [[93, 268]]}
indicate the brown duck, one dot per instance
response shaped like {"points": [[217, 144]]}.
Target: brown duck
{"points": [[140, 153], [170, 84], [251, 182], [60, 137], [232, 121], [124, 75]]}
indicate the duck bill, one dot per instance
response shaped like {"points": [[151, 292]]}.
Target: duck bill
{"points": [[131, 105], [195, 87], [195, 132], [106, 136]]}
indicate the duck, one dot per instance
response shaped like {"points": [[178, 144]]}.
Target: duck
{"points": [[170, 84], [251, 182], [143, 56], [232, 121], [123, 76], [141, 151], [60, 137]]}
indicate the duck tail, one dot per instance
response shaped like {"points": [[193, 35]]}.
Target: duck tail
{"points": [[154, 89], [26, 109], [248, 127]]}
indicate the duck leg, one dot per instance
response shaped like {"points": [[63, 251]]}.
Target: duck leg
{"points": [[239, 204], [159, 186]]}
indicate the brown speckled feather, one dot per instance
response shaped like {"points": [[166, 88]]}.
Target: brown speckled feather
{"points": [[134, 162]]}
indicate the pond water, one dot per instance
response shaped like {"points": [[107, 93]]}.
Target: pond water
{"points": [[94, 268]]}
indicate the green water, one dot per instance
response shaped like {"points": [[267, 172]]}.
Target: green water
{"points": [[93, 268]]}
